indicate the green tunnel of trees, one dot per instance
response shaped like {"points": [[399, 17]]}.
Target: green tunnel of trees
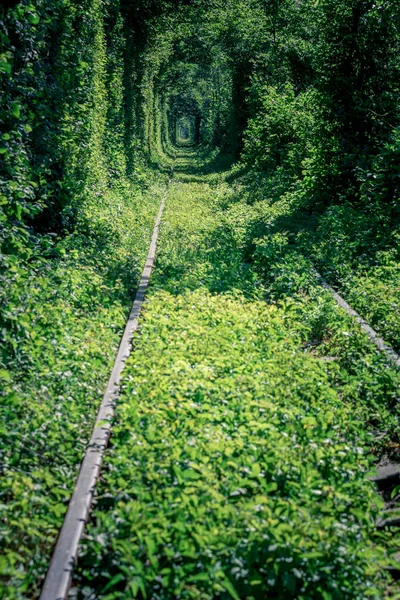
{"points": [[301, 98], [306, 92]]}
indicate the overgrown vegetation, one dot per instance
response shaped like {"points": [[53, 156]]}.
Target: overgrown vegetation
{"points": [[75, 233], [239, 459], [97, 99]]}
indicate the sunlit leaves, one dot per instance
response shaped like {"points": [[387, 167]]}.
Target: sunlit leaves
{"points": [[235, 469]]}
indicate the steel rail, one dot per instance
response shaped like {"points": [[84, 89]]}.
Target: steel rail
{"points": [[370, 332], [59, 576]]}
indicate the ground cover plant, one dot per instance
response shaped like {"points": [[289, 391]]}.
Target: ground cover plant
{"points": [[225, 246], [351, 251], [66, 316], [282, 265], [235, 470], [365, 269], [235, 460]]}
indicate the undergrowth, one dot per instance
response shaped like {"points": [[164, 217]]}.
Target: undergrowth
{"points": [[62, 321], [241, 450]]}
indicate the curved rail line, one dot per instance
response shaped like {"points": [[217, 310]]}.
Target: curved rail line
{"points": [[58, 579]]}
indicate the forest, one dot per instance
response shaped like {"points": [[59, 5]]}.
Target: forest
{"points": [[255, 414]]}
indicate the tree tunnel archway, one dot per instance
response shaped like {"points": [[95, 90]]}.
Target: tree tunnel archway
{"points": [[184, 76], [185, 132]]}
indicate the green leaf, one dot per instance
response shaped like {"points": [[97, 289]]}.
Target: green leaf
{"points": [[228, 585], [33, 18], [16, 110], [5, 375], [114, 581]]}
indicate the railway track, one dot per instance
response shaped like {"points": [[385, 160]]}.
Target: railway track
{"points": [[59, 576], [387, 479], [372, 335]]}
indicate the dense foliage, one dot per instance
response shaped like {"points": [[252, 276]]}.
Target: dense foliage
{"points": [[303, 97], [75, 231], [236, 468]]}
